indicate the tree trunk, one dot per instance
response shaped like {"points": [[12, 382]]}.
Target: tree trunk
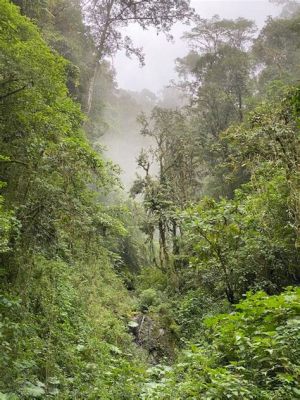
{"points": [[163, 252], [176, 250], [100, 54], [92, 88]]}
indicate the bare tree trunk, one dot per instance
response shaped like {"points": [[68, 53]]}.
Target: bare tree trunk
{"points": [[92, 88], [100, 55], [228, 289], [163, 251], [152, 250], [174, 237]]}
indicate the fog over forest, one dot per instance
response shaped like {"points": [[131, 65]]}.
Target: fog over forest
{"points": [[161, 54], [122, 141], [149, 216]]}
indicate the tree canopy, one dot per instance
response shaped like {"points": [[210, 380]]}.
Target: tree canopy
{"points": [[188, 286]]}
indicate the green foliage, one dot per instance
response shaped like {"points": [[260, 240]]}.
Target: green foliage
{"points": [[64, 311], [249, 242], [216, 75], [268, 145], [148, 298], [6, 220], [152, 277], [244, 243], [63, 29], [174, 154], [70, 248], [191, 309], [277, 49], [252, 353]]}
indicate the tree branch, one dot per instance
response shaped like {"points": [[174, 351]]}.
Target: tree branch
{"points": [[14, 92]]}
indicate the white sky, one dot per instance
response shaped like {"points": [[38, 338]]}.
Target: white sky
{"points": [[160, 54]]}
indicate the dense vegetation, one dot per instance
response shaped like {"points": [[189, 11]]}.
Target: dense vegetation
{"points": [[187, 289]]}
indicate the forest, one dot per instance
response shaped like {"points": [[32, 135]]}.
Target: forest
{"points": [[182, 281]]}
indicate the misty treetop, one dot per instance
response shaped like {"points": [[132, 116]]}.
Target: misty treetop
{"points": [[186, 285]]}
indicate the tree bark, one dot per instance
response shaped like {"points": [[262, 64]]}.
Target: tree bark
{"points": [[92, 88], [163, 251]]}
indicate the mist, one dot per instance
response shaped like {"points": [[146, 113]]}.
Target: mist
{"points": [[186, 283], [144, 87], [160, 53]]}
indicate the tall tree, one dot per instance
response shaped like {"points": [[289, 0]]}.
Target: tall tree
{"points": [[218, 68], [216, 75], [107, 18], [171, 175], [277, 50]]}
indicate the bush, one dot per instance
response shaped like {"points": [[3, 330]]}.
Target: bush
{"points": [[252, 353]]}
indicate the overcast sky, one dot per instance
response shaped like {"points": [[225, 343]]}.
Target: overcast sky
{"points": [[160, 54]]}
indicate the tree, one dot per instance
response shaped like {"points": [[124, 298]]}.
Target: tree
{"points": [[175, 177], [276, 50], [251, 353], [219, 60], [269, 141], [107, 18], [58, 309], [216, 76], [62, 25], [252, 241], [289, 6]]}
